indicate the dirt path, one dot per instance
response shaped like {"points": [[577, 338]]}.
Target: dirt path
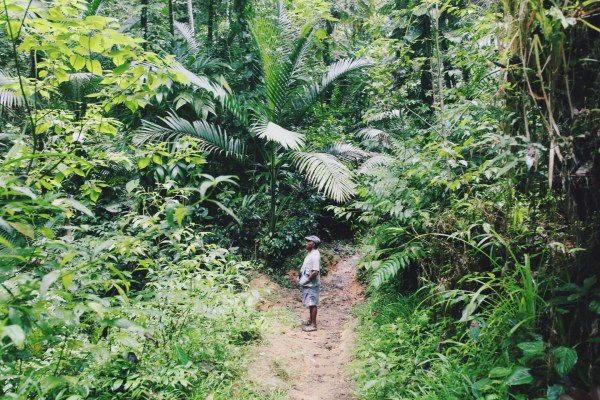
{"points": [[310, 366]]}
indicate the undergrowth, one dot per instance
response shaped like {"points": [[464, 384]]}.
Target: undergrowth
{"points": [[412, 347]]}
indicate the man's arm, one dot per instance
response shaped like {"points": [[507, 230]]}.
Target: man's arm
{"points": [[315, 267]]}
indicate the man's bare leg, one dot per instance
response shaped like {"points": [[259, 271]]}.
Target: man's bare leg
{"points": [[313, 315]]}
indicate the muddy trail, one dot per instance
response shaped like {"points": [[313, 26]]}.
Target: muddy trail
{"points": [[309, 365]]}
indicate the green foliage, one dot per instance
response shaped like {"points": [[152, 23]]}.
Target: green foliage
{"points": [[393, 264], [109, 286], [460, 170]]}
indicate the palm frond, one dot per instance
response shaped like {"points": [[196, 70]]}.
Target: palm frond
{"points": [[233, 104], [326, 173], [298, 55], [334, 71], [8, 96], [131, 21], [286, 26], [272, 132], [274, 59], [193, 46], [374, 162], [374, 136], [201, 81], [202, 62], [383, 115], [214, 139], [76, 86], [346, 152]]}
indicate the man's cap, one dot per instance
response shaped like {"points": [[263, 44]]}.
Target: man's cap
{"points": [[313, 239]]}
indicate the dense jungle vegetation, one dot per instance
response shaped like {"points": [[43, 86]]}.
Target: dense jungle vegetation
{"points": [[153, 154]]}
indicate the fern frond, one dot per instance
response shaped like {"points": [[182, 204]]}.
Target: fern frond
{"points": [[394, 264], [274, 59], [286, 26], [326, 173], [298, 56]]}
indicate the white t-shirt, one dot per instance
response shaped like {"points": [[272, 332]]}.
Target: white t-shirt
{"points": [[312, 262]]}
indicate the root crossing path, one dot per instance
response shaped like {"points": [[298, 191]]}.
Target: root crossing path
{"points": [[310, 365]]}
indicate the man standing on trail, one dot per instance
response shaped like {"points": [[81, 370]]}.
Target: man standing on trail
{"points": [[310, 281]]}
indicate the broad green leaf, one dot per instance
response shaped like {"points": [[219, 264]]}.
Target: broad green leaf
{"points": [[520, 376], [47, 281], [116, 384], [180, 213], [565, 359], [24, 229], [97, 307], [143, 162], [14, 333], [94, 67], [320, 34], [132, 184], [531, 349], [500, 372], [67, 279], [61, 75], [73, 204], [181, 355], [553, 392], [24, 190], [121, 68]]}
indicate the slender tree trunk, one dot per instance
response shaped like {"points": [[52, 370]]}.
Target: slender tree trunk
{"points": [[238, 21], [274, 172], [440, 76], [327, 58], [171, 18], [190, 14], [144, 22], [426, 74], [210, 22]]}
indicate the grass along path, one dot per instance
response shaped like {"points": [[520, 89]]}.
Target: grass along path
{"points": [[308, 366]]}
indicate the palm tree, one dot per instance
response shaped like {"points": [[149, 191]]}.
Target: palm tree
{"points": [[286, 96]]}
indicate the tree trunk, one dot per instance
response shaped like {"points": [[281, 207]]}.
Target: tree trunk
{"points": [[426, 72], [440, 75], [210, 22], [144, 22], [171, 18], [190, 14]]}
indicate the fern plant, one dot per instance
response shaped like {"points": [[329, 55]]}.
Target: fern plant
{"points": [[398, 261]]}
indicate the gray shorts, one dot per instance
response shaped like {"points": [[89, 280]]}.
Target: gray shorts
{"points": [[310, 296]]}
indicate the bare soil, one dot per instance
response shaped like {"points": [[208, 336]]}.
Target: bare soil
{"points": [[309, 365]]}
